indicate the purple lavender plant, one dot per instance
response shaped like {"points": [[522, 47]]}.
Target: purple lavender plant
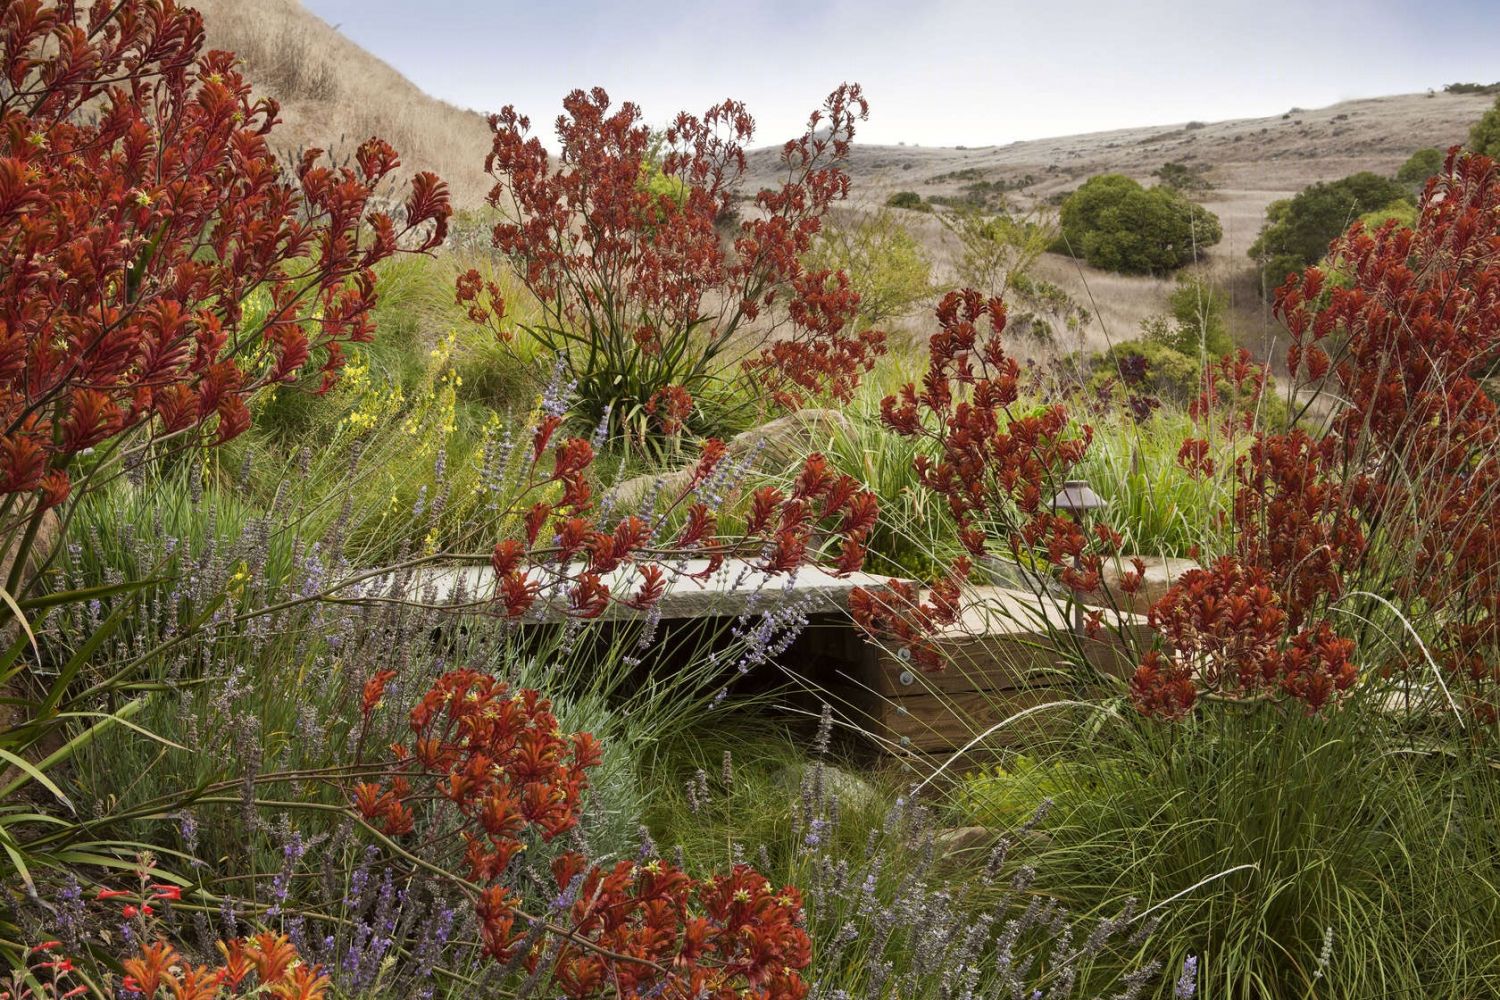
{"points": [[1187, 983], [903, 921]]}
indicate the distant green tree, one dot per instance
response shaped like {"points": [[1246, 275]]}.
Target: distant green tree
{"points": [[1086, 209], [885, 263], [1272, 250], [655, 182], [1298, 230], [1471, 88], [1183, 177], [1115, 224], [908, 200], [1484, 136], [1419, 166], [1404, 212]]}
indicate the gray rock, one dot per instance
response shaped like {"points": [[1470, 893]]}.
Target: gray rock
{"points": [[1013, 576], [1161, 573], [853, 791], [769, 448], [964, 843]]}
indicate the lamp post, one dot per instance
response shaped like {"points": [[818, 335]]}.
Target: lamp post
{"points": [[1075, 500]]}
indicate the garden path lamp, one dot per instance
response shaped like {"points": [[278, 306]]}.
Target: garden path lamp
{"points": [[1076, 500]]}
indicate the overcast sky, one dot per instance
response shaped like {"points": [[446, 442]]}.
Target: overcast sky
{"points": [[936, 72]]}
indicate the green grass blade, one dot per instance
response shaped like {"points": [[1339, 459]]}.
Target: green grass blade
{"points": [[38, 776]]}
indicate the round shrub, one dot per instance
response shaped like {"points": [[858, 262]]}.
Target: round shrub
{"points": [[1420, 165], [1170, 375], [1404, 212], [1484, 136], [1196, 325], [1298, 230], [1117, 225], [908, 200], [886, 265]]}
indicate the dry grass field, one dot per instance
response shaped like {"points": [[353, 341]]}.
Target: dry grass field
{"points": [[334, 94], [1251, 162]]}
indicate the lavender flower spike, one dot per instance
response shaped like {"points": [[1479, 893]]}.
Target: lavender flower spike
{"points": [[1187, 983]]}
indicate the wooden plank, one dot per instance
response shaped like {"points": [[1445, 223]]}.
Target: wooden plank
{"points": [[832, 637], [948, 721], [997, 665], [1003, 663], [1118, 658], [736, 587], [983, 663]]}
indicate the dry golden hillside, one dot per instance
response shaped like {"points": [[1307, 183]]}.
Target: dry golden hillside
{"points": [[1250, 162], [334, 94]]}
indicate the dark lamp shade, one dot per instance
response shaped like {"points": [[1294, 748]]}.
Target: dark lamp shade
{"points": [[1077, 498]]}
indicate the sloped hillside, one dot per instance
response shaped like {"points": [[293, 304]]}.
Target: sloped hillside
{"points": [[334, 94], [1250, 162]]}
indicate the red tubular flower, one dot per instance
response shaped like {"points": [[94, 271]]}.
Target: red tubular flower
{"points": [[1402, 342], [507, 556], [369, 800], [374, 690], [498, 756], [1163, 688], [671, 406], [653, 586], [992, 471], [140, 263], [652, 273]]}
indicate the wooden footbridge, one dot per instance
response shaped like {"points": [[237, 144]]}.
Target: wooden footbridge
{"points": [[1013, 653]]}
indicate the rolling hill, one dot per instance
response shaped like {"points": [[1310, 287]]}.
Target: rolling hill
{"points": [[334, 94]]}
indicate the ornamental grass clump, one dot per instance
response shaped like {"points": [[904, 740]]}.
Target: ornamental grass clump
{"points": [[1157, 506], [1268, 827]]}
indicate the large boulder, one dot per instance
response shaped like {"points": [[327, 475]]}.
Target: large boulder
{"points": [[769, 448], [853, 791], [967, 846], [1003, 572], [1162, 572]]}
